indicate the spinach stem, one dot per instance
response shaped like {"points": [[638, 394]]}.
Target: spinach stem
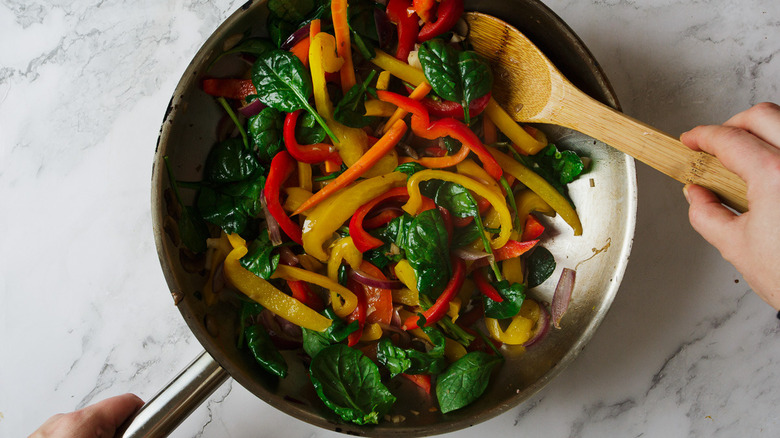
{"points": [[234, 118], [512, 203]]}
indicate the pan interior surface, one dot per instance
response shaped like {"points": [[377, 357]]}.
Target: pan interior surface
{"points": [[605, 198]]}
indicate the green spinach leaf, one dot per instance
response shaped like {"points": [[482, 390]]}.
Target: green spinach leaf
{"points": [[308, 131], [465, 380], [459, 76], [192, 230], [232, 206], [265, 130], [410, 361], [409, 168], [349, 383], [351, 109], [229, 162], [260, 259], [314, 342], [264, 351], [513, 295], [282, 82], [540, 265], [426, 244], [252, 46]]}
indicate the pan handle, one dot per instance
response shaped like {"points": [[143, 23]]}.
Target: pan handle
{"points": [[166, 410]]}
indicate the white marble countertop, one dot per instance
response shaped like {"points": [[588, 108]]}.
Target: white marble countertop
{"points": [[686, 349]]}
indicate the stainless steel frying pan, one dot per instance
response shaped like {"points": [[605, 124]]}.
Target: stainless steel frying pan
{"points": [[605, 199]]}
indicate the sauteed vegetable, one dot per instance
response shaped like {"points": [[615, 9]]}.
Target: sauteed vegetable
{"points": [[375, 206]]}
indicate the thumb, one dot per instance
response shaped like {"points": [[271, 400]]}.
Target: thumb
{"points": [[106, 416], [709, 217]]}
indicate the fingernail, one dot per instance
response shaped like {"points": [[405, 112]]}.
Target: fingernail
{"points": [[685, 193]]}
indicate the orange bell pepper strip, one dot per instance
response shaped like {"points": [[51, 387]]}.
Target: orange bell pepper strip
{"points": [[372, 156], [378, 301], [424, 9], [421, 380], [338, 9], [301, 51], [359, 314]]}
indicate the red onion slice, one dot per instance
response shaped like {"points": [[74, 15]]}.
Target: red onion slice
{"points": [[471, 255], [253, 108], [542, 327], [368, 280], [287, 257], [274, 230], [562, 295], [296, 37]]}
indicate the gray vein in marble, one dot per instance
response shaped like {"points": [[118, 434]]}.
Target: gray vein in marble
{"points": [[212, 403]]}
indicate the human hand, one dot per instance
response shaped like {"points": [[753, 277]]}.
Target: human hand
{"points": [[99, 420], [748, 144]]}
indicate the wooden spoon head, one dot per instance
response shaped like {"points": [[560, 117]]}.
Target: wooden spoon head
{"points": [[520, 70]]}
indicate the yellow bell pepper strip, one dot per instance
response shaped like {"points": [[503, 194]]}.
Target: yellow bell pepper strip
{"points": [[378, 108], [517, 333], [343, 300], [295, 197], [343, 249], [304, 176], [383, 80], [476, 172], [512, 269], [323, 220], [418, 93], [521, 140], [439, 309], [406, 296], [399, 69], [371, 332], [338, 9], [236, 241], [527, 201], [497, 201], [270, 297], [405, 273], [309, 263], [541, 187], [377, 151]]}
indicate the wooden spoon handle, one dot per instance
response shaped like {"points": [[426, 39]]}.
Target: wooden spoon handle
{"points": [[651, 146]]}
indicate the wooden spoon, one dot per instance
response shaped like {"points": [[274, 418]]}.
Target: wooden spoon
{"points": [[535, 91]]}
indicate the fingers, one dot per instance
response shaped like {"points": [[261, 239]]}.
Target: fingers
{"points": [[110, 413], [738, 150], [717, 224], [762, 120]]}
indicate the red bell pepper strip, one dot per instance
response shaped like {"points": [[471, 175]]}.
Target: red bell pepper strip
{"points": [[448, 108], [362, 240], [424, 9], [447, 127], [398, 11], [447, 15], [282, 166], [533, 229], [303, 293], [229, 88], [442, 304], [421, 380], [359, 314], [381, 218], [510, 250], [312, 153], [360, 237], [485, 287], [379, 302]]}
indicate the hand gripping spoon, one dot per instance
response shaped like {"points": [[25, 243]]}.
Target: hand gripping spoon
{"points": [[534, 91]]}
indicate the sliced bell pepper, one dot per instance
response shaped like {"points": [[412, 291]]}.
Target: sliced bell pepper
{"points": [[399, 69], [282, 166], [343, 300], [338, 9], [485, 287], [362, 239], [417, 94], [424, 9], [447, 127], [511, 250], [303, 293], [447, 14], [517, 333], [498, 202], [359, 314], [378, 301], [401, 13], [312, 153], [270, 297], [304, 176], [230, 88], [324, 219], [343, 249], [372, 156], [295, 197], [442, 304], [301, 51], [421, 380], [521, 140], [448, 108], [542, 188], [532, 229]]}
